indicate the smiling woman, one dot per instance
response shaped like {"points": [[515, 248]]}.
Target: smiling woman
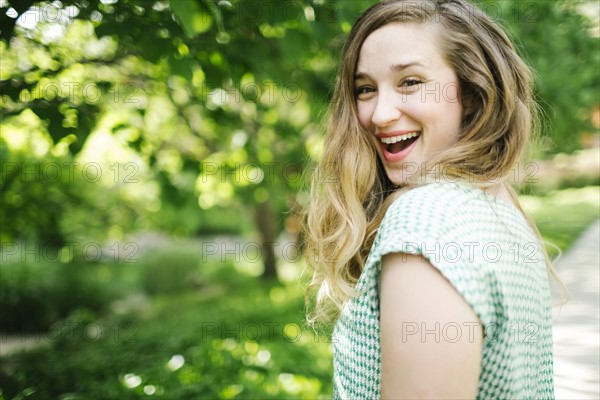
{"points": [[436, 279], [406, 100]]}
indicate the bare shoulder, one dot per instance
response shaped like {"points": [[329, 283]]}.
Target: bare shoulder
{"points": [[431, 339]]}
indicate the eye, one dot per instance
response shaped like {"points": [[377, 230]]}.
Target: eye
{"points": [[410, 82], [363, 91], [409, 85]]}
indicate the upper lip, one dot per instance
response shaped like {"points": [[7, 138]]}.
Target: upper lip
{"points": [[394, 133]]}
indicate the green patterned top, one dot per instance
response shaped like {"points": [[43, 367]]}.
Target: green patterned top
{"points": [[488, 252]]}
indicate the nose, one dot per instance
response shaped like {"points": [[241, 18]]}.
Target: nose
{"points": [[387, 109]]}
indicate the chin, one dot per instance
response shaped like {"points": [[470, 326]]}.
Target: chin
{"points": [[399, 176]]}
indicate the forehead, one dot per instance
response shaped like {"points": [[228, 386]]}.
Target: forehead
{"points": [[401, 43]]}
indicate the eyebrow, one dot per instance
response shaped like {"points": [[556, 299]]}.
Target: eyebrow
{"points": [[393, 68]]}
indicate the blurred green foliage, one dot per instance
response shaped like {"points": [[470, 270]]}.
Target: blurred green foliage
{"points": [[171, 271], [561, 215], [562, 45], [248, 342], [40, 289], [34, 295], [188, 110]]}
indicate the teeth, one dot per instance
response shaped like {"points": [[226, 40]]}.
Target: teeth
{"points": [[394, 139]]}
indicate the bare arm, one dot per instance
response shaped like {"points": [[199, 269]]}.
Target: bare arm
{"points": [[431, 339]]}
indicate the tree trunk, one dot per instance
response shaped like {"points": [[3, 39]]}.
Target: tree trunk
{"points": [[265, 221]]}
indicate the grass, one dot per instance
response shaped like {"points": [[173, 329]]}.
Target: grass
{"points": [[562, 215], [221, 333]]}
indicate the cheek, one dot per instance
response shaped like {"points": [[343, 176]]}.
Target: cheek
{"points": [[455, 115], [364, 114], [453, 106], [450, 119]]}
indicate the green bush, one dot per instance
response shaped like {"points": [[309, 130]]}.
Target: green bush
{"points": [[245, 343], [34, 295], [169, 271], [180, 266], [37, 290]]}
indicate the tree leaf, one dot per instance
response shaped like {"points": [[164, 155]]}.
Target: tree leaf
{"points": [[191, 17]]}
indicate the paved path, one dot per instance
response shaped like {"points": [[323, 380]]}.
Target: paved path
{"points": [[577, 323]]}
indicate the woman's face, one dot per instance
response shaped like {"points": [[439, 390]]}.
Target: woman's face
{"points": [[407, 97]]}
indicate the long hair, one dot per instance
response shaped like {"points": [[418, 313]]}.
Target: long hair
{"points": [[350, 191]]}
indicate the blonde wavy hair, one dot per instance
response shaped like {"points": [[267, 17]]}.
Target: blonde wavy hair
{"points": [[350, 191]]}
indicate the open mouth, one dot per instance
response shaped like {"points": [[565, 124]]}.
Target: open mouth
{"points": [[396, 144]]}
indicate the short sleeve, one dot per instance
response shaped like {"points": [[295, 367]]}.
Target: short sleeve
{"points": [[450, 228]]}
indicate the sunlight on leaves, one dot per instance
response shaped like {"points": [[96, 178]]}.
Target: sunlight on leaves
{"points": [[132, 381], [176, 362]]}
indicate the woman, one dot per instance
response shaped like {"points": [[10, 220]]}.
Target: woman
{"points": [[420, 248]]}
